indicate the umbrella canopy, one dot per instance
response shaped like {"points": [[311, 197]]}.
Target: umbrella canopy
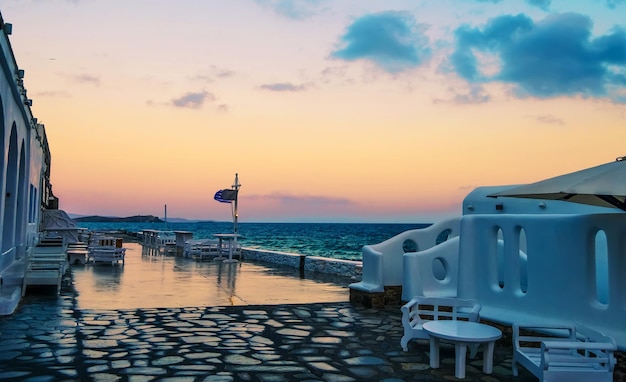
{"points": [[603, 185]]}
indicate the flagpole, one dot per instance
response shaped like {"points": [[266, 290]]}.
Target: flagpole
{"points": [[235, 187]]}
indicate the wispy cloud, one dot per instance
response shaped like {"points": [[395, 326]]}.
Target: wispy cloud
{"points": [[214, 73], [193, 100], [333, 74], [293, 9], [87, 79], [547, 119], [334, 71], [52, 93], [284, 87], [223, 73], [393, 41], [555, 57], [475, 95]]}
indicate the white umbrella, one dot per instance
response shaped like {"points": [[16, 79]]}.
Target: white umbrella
{"points": [[603, 185]]}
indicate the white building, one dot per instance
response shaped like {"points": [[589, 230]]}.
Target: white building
{"points": [[24, 174]]}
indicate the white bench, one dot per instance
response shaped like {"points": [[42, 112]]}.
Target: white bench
{"points": [[48, 255], [111, 255], [38, 273], [563, 353], [423, 309]]}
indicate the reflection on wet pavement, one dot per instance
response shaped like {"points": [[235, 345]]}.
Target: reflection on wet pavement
{"points": [[150, 280]]}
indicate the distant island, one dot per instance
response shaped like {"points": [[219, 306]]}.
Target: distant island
{"points": [[130, 219]]}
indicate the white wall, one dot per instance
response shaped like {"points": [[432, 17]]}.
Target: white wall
{"points": [[565, 270]]}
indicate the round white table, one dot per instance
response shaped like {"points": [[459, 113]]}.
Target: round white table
{"points": [[462, 334]]}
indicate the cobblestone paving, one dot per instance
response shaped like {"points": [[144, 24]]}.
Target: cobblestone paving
{"points": [[48, 339]]}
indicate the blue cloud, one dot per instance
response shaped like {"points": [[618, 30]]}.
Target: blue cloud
{"points": [[543, 4], [612, 4], [391, 40], [555, 57]]}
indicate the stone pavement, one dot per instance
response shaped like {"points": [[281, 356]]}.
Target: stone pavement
{"points": [[50, 339]]}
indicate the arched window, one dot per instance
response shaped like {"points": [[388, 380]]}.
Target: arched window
{"points": [[523, 261], [500, 258], [601, 257], [443, 236]]}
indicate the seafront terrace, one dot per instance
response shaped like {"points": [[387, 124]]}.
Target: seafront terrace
{"points": [[169, 318]]}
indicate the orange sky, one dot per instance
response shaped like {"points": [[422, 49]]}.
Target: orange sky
{"points": [[148, 103]]}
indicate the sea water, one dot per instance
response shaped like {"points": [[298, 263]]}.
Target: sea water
{"points": [[333, 240]]}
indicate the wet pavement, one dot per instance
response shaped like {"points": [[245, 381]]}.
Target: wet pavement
{"points": [[90, 333], [150, 279]]}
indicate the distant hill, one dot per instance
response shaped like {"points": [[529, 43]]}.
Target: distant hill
{"points": [[109, 219]]}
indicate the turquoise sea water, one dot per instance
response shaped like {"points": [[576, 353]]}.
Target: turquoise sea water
{"points": [[334, 240]]}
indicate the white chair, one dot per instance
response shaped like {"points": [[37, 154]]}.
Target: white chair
{"points": [[563, 353], [423, 309]]}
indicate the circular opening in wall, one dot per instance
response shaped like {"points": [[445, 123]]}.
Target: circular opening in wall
{"points": [[440, 270], [443, 236], [409, 246]]}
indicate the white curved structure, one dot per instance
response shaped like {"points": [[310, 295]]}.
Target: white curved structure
{"points": [[383, 262], [521, 259], [438, 269]]}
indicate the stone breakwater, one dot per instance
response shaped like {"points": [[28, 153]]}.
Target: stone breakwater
{"points": [[348, 268]]}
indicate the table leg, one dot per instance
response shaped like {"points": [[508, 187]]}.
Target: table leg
{"points": [[434, 352], [460, 351], [488, 358]]}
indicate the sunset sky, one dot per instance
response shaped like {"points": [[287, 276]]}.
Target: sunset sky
{"points": [[348, 111]]}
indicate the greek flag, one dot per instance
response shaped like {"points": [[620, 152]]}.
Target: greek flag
{"points": [[226, 195]]}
